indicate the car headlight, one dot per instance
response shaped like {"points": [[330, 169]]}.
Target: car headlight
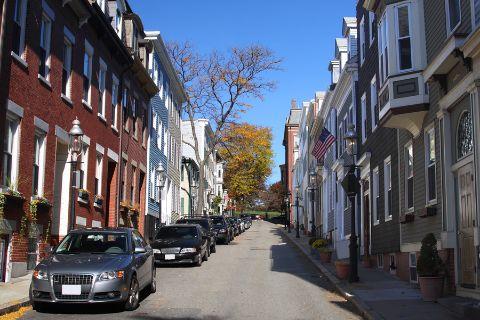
{"points": [[110, 275], [188, 250], [40, 274], [157, 251]]}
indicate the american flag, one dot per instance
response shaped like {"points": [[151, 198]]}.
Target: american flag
{"points": [[323, 143]]}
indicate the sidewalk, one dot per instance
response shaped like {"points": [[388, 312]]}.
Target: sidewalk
{"points": [[14, 294], [379, 295]]}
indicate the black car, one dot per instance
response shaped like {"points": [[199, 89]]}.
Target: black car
{"points": [[247, 221], [180, 243], [207, 224], [223, 229], [235, 226]]}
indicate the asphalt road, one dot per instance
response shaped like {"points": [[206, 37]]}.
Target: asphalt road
{"points": [[257, 276]]}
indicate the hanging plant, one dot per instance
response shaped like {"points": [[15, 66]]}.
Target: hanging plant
{"points": [[47, 232], [3, 201]]}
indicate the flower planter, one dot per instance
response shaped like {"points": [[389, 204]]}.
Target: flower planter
{"points": [[325, 257], [431, 288], [98, 202], [343, 269], [83, 195]]}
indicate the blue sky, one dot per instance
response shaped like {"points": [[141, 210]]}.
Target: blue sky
{"points": [[301, 32]]}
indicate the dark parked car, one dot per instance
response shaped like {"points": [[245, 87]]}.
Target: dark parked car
{"points": [[247, 221], [207, 224], [235, 226], [223, 229], [180, 243], [95, 266]]}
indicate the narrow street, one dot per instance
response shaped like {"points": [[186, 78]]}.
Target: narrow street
{"points": [[257, 276]]}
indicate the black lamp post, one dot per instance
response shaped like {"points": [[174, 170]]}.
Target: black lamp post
{"points": [[287, 215], [75, 146], [352, 187], [161, 183], [297, 204], [313, 188]]}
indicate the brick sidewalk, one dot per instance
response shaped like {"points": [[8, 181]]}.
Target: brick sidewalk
{"points": [[380, 295], [14, 294]]}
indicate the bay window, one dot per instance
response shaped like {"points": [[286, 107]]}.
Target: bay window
{"points": [[409, 177], [11, 152], [430, 165], [374, 112], [383, 48], [476, 12], [453, 13], [404, 45]]}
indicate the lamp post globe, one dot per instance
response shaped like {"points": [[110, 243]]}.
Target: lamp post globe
{"points": [[75, 148], [351, 139]]}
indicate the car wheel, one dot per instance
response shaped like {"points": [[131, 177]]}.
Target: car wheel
{"points": [[199, 262], [208, 251], [153, 284], [214, 249], [207, 254], [133, 295]]}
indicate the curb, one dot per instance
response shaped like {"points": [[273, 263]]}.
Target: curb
{"points": [[342, 288], [14, 306]]}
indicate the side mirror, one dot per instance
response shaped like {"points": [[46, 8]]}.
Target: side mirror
{"points": [[140, 250]]}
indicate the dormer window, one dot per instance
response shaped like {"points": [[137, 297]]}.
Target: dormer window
{"points": [[134, 39]]}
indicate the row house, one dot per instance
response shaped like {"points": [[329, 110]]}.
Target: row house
{"points": [[80, 61], [164, 146], [290, 142]]}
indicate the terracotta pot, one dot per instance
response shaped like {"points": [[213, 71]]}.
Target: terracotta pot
{"points": [[325, 257], [366, 262], [342, 269], [431, 288]]}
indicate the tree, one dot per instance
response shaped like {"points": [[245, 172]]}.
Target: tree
{"points": [[249, 152], [272, 198], [219, 87]]}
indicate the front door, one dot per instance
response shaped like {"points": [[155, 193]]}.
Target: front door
{"points": [[466, 220], [3, 257]]}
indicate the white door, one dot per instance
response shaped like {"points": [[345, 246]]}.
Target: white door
{"points": [[466, 225]]}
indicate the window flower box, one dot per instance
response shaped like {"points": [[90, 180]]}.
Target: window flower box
{"points": [[83, 195], [428, 212], [407, 218], [98, 201]]}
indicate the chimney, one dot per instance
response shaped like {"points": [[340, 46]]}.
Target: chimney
{"points": [[293, 104]]}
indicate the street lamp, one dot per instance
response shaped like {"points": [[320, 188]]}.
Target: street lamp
{"points": [[297, 204], [313, 183], [75, 146], [352, 187], [287, 212], [162, 177]]}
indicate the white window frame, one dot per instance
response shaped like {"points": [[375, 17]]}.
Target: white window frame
{"points": [[451, 29], [99, 172], [398, 38], [22, 23], [84, 165], [115, 88], [67, 66], [371, 20], [46, 24], [362, 41], [15, 153], [373, 97], [382, 31], [429, 131], [88, 52], [102, 88], [411, 265], [406, 148], [387, 186], [42, 140], [363, 103], [375, 195], [472, 10]]}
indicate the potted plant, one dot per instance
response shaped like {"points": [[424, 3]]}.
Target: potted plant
{"points": [[83, 195], [342, 267], [310, 243], [98, 201], [321, 245], [430, 269]]}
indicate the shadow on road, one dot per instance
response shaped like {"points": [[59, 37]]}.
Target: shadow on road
{"points": [[287, 259]]}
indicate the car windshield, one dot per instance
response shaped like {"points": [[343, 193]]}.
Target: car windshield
{"points": [[177, 233], [218, 221], [202, 222], [93, 242]]}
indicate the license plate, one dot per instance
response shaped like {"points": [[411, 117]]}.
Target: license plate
{"points": [[71, 290], [169, 257]]}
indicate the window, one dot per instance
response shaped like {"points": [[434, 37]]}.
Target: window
{"points": [[125, 100], [160, 83], [453, 14], [44, 54], [159, 135], [19, 18], [476, 12], [371, 29], [152, 180], [409, 177], [102, 75], [380, 261], [387, 179], [87, 73], [114, 118], [376, 195], [133, 184], [362, 40], [340, 139], [383, 48], [98, 174], [84, 167], [430, 165], [412, 264], [464, 135], [364, 117], [11, 153], [134, 115], [403, 37], [157, 190], [67, 68], [393, 264], [118, 21], [123, 190], [38, 164], [374, 103]]}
